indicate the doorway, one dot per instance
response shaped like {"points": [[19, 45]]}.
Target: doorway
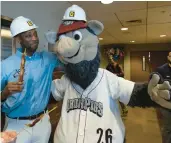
{"points": [[145, 62]]}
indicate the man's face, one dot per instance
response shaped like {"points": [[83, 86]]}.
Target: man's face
{"points": [[29, 40], [169, 57]]}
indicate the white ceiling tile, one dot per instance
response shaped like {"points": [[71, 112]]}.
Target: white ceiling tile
{"points": [[108, 37], [155, 30], [159, 3], [119, 6], [132, 15], [159, 15], [116, 6]]}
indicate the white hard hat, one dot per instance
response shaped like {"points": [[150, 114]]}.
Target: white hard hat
{"points": [[75, 13], [21, 24]]}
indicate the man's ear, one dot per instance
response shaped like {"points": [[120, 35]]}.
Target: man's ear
{"points": [[17, 38], [96, 26]]}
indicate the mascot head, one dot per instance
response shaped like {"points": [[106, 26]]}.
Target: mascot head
{"points": [[77, 45]]}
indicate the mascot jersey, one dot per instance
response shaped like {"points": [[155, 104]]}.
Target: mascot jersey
{"points": [[91, 115]]}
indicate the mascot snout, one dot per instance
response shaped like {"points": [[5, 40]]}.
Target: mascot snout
{"points": [[64, 47]]}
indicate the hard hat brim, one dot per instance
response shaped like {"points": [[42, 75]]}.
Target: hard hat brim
{"points": [[35, 27], [74, 26]]}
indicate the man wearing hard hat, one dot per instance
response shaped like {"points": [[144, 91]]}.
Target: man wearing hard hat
{"points": [[26, 100]]}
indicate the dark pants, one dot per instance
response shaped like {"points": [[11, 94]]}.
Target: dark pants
{"points": [[165, 125]]}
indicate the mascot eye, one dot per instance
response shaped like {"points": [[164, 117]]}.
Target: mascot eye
{"points": [[77, 36]]}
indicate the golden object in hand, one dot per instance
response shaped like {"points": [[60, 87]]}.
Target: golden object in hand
{"points": [[22, 67]]}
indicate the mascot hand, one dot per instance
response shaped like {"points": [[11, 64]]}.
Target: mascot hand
{"points": [[159, 93], [51, 37]]}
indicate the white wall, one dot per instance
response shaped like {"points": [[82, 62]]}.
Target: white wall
{"points": [[46, 15]]}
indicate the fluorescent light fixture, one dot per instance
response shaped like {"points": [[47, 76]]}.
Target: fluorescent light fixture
{"points": [[132, 41], [162, 35], [106, 1], [100, 38], [6, 33], [124, 29]]}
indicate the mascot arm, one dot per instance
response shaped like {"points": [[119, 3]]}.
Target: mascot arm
{"points": [[58, 88], [140, 97], [134, 94], [147, 95]]}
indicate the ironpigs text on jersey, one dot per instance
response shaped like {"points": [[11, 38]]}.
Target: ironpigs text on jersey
{"points": [[84, 104]]}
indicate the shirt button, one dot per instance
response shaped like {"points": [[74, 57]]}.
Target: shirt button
{"points": [[82, 133]]}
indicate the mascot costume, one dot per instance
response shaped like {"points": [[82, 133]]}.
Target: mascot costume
{"points": [[90, 112]]}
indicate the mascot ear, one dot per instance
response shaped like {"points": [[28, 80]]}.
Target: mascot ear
{"points": [[96, 26], [51, 37]]}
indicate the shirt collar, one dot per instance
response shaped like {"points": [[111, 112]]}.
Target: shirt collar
{"points": [[36, 55], [92, 86]]}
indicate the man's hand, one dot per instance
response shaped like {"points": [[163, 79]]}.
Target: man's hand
{"points": [[11, 88], [159, 93], [8, 136], [57, 74]]}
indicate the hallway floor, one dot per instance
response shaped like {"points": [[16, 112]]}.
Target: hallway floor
{"points": [[142, 126]]}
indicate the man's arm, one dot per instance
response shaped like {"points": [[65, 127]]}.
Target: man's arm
{"points": [[11, 88], [8, 89]]}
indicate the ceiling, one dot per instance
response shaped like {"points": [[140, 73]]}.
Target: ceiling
{"points": [[153, 20]]}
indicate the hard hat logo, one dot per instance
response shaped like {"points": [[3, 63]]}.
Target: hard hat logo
{"points": [[68, 22], [71, 14], [75, 13], [30, 23]]}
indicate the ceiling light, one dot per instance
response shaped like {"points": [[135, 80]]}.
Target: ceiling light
{"points": [[124, 29], [5, 33], [162, 35], [132, 41], [100, 38], [106, 1]]}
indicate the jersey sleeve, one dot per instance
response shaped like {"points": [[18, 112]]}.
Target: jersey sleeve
{"points": [[58, 87], [120, 88], [125, 88]]}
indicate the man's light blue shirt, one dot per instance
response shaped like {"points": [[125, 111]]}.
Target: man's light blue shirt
{"points": [[37, 83]]}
